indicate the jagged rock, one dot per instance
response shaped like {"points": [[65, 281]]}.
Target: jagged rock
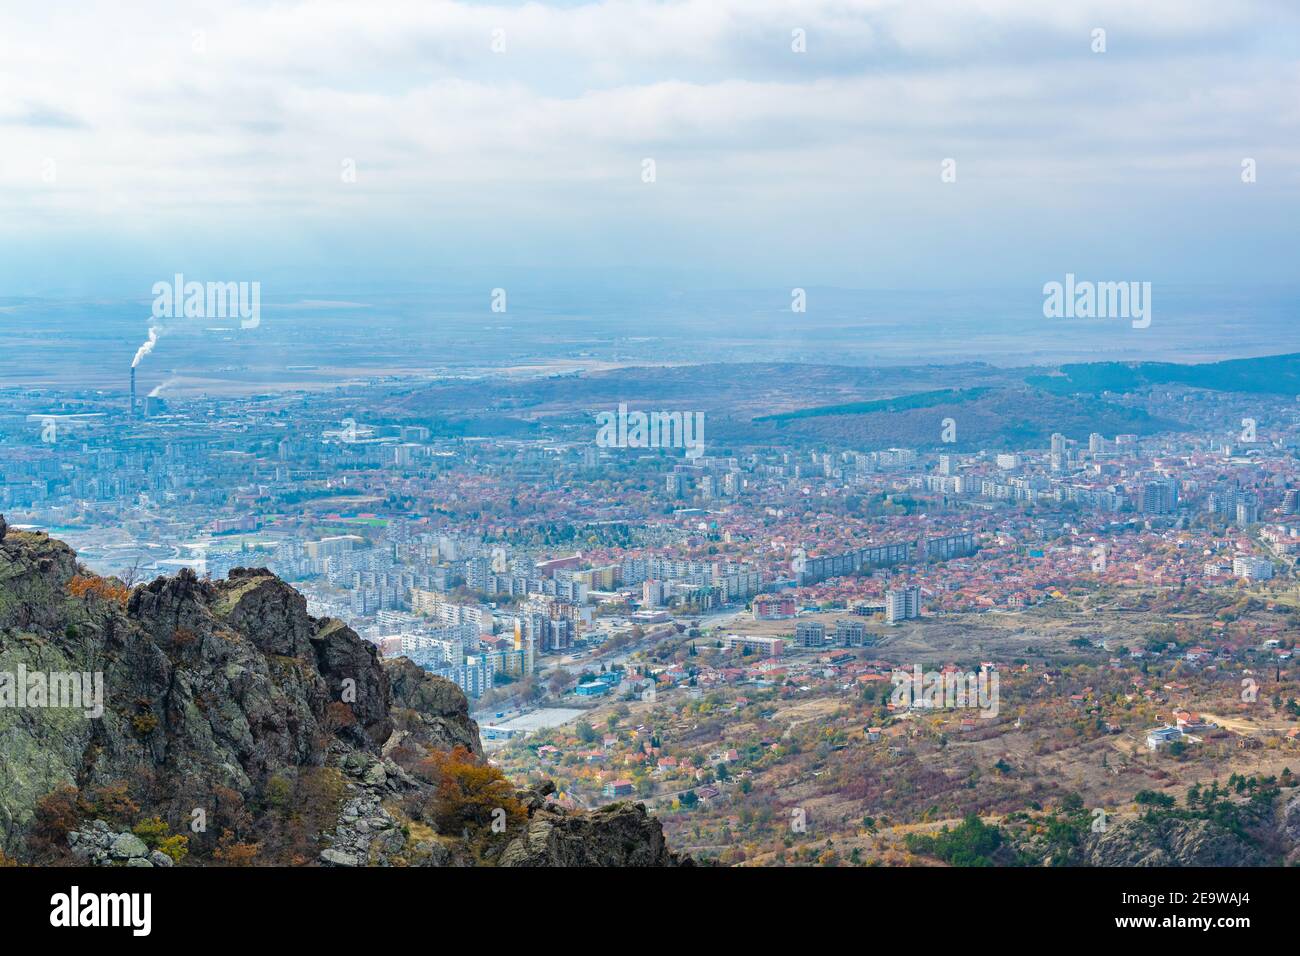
{"points": [[355, 763], [352, 665], [1169, 842], [220, 693], [620, 834], [128, 845], [1290, 817], [398, 779], [97, 844], [438, 707], [426, 853], [534, 798], [338, 858], [207, 686], [1289, 827]]}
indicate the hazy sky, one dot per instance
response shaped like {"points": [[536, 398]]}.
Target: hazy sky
{"points": [[212, 138]]}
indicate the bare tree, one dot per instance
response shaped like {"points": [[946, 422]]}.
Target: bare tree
{"points": [[132, 575]]}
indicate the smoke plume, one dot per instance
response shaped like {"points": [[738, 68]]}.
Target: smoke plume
{"points": [[157, 389], [147, 347]]}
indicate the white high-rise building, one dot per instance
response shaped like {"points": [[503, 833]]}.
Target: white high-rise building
{"points": [[902, 604], [1252, 568]]}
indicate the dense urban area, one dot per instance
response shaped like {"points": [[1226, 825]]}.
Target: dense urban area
{"points": [[718, 630]]}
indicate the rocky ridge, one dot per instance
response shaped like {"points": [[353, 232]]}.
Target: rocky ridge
{"points": [[226, 701]]}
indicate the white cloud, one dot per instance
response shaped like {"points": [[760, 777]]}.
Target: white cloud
{"points": [[228, 115]]}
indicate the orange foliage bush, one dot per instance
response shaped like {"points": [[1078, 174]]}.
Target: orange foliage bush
{"points": [[111, 802], [469, 794], [56, 814], [232, 853], [62, 810], [88, 586]]}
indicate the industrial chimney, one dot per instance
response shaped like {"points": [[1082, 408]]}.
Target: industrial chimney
{"points": [[133, 406]]}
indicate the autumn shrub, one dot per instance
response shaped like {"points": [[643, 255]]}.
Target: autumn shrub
{"points": [[177, 847], [339, 715], [157, 835], [299, 808], [64, 809], [152, 830], [470, 795], [111, 802], [56, 815], [88, 586], [278, 792], [231, 852], [144, 724]]}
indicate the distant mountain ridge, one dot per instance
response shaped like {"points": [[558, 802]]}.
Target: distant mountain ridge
{"points": [[1270, 375], [1019, 417], [902, 403], [870, 407]]}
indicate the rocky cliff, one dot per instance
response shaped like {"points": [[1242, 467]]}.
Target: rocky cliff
{"points": [[1141, 842], [237, 728]]}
